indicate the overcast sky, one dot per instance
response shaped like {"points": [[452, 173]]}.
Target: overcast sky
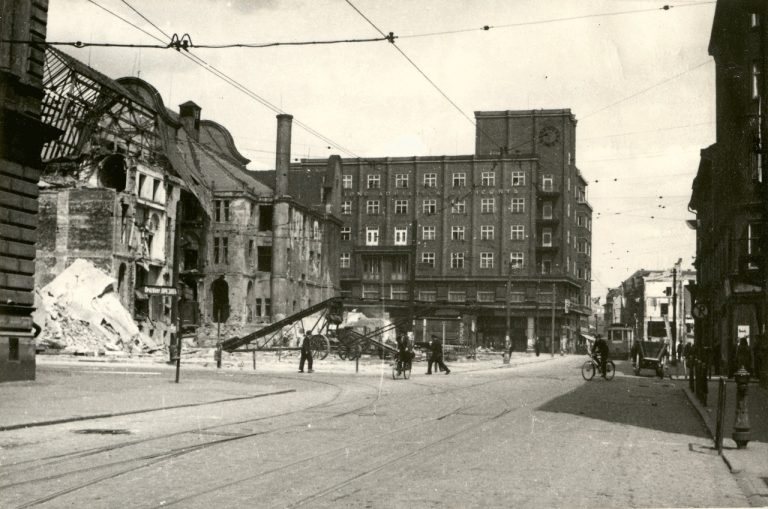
{"points": [[640, 83]]}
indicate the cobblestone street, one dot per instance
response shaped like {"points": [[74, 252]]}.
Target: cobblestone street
{"points": [[532, 435]]}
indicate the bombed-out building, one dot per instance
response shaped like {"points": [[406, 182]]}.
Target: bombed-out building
{"points": [[162, 198]]}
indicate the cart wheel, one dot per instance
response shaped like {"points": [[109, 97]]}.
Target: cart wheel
{"points": [[610, 370], [320, 346], [588, 370], [343, 353], [353, 352]]}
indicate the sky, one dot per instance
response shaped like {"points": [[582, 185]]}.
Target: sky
{"points": [[637, 77]]}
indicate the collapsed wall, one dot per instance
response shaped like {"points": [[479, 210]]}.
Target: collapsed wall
{"points": [[79, 312]]}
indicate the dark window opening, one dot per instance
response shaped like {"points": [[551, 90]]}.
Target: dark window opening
{"points": [[264, 258], [220, 291], [265, 218], [112, 173], [190, 259], [13, 349], [664, 309], [258, 307]]}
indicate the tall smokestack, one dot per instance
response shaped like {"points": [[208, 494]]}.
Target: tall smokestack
{"points": [[281, 231], [283, 157]]}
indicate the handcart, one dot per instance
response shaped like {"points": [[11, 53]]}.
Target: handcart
{"points": [[649, 355]]}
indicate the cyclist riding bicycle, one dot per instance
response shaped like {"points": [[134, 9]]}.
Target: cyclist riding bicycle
{"points": [[600, 353], [404, 353]]}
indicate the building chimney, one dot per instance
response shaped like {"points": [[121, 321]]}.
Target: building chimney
{"points": [[333, 185], [281, 231], [283, 157], [189, 115]]}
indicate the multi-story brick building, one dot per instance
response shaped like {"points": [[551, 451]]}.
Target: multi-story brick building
{"points": [[514, 212], [729, 191]]}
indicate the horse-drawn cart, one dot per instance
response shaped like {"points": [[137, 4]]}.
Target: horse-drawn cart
{"points": [[649, 355]]}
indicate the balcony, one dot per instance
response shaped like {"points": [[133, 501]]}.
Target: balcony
{"points": [[382, 249], [548, 220], [549, 248], [551, 191]]}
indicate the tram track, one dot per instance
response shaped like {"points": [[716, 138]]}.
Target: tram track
{"points": [[148, 460]]}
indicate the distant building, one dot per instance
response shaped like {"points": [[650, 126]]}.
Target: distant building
{"points": [[514, 210], [21, 135], [614, 307], [647, 305], [156, 197], [729, 192]]}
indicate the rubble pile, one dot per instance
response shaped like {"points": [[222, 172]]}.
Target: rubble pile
{"points": [[79, 313]]}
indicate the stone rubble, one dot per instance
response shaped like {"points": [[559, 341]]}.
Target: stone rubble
{"points": [[80, 313]]}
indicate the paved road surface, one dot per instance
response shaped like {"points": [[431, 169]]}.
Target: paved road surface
{"points": [[530, 436]]}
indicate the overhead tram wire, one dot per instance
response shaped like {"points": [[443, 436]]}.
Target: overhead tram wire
{"points": [[486, 28], [223, 76], [502, 150]]}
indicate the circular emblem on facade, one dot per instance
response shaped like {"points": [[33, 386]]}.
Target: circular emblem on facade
{"points": [[699, 311], [549, 135]]}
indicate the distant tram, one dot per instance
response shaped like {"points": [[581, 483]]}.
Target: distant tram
{"points": [[619, 339]]}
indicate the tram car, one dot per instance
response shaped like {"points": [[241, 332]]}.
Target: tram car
{"points": [[620, 339]]}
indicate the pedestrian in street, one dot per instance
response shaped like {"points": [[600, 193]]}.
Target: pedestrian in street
{"points": [[437, 357], [687, 359], [306, 354], [537, 346]]}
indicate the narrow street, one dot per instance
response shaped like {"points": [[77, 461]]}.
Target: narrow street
{"points": [[536, 435]]}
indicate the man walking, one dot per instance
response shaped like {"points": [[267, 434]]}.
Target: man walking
{"points": [[306, 354], [436, 349]]}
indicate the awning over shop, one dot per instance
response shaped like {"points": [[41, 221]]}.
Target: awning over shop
{"points": [[588, 337]]}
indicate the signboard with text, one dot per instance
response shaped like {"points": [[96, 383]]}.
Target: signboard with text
{"points": [[160, 290]]}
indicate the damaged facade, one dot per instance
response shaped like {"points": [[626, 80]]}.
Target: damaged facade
{"points": [[155, 197]]}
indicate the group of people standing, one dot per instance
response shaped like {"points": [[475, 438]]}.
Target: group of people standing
{"points": [[435, 354]]}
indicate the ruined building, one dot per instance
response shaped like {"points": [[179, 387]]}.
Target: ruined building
{"points": [[159, 198]]}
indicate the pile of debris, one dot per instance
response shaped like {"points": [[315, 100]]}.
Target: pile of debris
{"points": [[79, 313]]}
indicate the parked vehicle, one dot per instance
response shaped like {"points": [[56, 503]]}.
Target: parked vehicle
{"points": [[649, 355]]}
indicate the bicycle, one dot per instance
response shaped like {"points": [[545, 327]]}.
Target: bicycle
{"points": [[402, 367], [592, 366]]}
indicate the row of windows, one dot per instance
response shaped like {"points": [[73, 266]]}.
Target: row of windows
{"points": [[458, 179], [487, 205], [516, 260], [487, 232]]}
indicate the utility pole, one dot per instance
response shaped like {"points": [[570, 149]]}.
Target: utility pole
{"points": [[507, 338], [552, 341], [412, 279], [674, 312]]}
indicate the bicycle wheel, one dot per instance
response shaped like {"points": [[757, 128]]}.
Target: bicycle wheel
{"points": [[588, 370], [394, 372], [407, 371], [610, 370]]}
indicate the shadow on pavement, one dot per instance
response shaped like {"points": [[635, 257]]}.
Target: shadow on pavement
{"points": [[645, 401]]}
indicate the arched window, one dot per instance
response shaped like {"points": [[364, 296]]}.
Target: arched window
{"points": [[112, 172]]}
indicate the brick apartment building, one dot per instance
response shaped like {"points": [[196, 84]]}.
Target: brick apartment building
{"points": [[729, 192], [515, 211]]}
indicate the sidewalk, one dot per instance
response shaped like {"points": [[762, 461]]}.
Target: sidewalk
{"points": [[70, 388], [749, 465]]}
